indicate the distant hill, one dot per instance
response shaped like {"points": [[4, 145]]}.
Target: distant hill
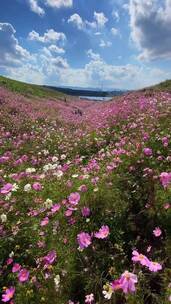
{"points": [[29, 90], [86, 92], [162, 86]]}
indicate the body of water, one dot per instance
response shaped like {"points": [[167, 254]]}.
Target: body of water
{"points": [[96, 98]]}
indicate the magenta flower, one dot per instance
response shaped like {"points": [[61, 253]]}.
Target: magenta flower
{"points": [[148, 151], [102, 233], [157, 232], [84, 240], [23, 275], [6, 188], [85, 211], [16, 267], [128, 281], [50, 257], [142, 259], [8, 295], [154, 266], [165, 179], [55, 208], [37, 186], [74, 198], [116, 284]]}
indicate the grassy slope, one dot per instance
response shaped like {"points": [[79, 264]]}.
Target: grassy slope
{"points": [[29, 90]]}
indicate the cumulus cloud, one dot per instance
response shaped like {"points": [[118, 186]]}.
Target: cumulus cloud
{"points": [[115, 15], [99, 21], [55, 49], [93, 56], [77, 21], [150, 23], [48, 37], [11, 52], [34, 6], [59, 3]]}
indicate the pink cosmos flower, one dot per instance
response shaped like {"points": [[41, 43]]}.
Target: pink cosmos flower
{"points": [[89, 299], [167, 206], [8, 295], [142, 259], [157, 232], [44, 222], [116, 284], [102, 233], [16, 267], [23, 275], [85, 211], [154, 266], [55, 208], [6, 188], [128, 281], [84, 240], [50, 257], [37, 186], [148, 151], [74, 198], [165, 178]]}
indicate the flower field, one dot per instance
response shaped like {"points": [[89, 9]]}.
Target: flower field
{"points": [[85, 200]]}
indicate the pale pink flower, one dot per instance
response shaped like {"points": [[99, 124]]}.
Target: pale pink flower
{"points": [[138, 257], [84, 240], [154, 266], [89, 299], [157, 232], [44, 222], [128, 281], [102, 233], [37, 186], [8, 295]]}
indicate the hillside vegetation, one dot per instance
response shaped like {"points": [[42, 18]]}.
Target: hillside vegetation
{"points": [[85, 200], [29, 90]]}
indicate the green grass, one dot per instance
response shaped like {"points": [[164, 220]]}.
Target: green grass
{"points": [[29, 90]]}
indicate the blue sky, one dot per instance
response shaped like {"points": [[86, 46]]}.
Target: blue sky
{"points": [[87, 43]]}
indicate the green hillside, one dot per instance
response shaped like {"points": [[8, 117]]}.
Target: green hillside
{"points": [[29, 90]]}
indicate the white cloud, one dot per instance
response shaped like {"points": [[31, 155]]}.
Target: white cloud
{"points": [[36, 8], [93, 56], [115, 31], [104, 44], [77, 21], [115, 15], [11, 52], [55, 49], [99, 21], [59, 3], [150, 24], [48, 37]]}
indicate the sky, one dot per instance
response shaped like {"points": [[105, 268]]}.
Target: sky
{"points": [[106, 44]]}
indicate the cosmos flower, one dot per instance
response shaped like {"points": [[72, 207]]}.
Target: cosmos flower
{"points": [[74, 198], [16, 267], [23, 275], [89, 299], [102, 233], [8, 295], [154, 266], [148, 151], [138, 257], [128, 281], [84, 240], [6, 188], [157, 232]]}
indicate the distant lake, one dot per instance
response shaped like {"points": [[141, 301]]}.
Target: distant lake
{"points": [[96, 98]]}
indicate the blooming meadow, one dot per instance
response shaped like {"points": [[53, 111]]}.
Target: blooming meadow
{"points": [[85, 200]]}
